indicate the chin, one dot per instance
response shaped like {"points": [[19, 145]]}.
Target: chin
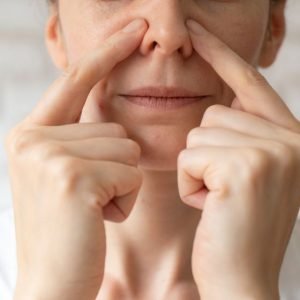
{"points": [[158, 163], [160, 149]]}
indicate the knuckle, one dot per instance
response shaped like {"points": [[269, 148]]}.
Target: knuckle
{"points": [[279, 160], [253, 77], [72, 73], [68, 173], [135, 149], [213, 109], [138, 176], [284, 153], [181, 159], [211, 113], [8, 139], [223, 191], [193, 136], [257, 161], [93, 201], [110, 44], [293, 138], [119, 129], [220, 46], [50, 149], [20, 140]]}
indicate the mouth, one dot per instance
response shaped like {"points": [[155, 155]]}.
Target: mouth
{"points": [[162, 97]]}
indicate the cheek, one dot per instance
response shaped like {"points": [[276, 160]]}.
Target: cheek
{"points": [[87, 36], [245, 36], [87, 26]]}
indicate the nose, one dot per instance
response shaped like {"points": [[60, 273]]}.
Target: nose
{"points": [[167, 32]]}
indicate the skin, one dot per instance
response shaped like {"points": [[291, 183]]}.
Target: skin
{"points": [[192, 246]]}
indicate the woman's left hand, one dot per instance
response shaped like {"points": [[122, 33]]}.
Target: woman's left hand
{"points": [[242, 168]]}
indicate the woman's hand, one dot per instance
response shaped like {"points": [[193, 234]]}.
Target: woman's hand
{"points": [[242, 167], [67, 177]]}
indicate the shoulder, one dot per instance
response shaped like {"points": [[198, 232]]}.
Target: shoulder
{"points": [[290, 270], [8, 263]]}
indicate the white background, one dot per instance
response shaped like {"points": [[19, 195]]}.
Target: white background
{"points": [[26, 70]]}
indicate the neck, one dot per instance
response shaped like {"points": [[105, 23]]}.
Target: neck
{"points": [[157, 238]]}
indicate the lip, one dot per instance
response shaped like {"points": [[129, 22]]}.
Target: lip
{"points": [[161, 92], [162, 97]]}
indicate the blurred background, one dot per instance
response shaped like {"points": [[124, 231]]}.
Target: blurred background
{"points": [[26, 70]]}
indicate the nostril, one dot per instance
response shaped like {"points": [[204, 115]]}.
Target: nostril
{"points": [[181, 51], [154, 44]]}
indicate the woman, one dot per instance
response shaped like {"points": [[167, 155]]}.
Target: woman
{"points": [[165, 166]]}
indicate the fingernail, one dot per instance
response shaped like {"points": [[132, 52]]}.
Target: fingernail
{"points": [[195, 27], [134, 26]]}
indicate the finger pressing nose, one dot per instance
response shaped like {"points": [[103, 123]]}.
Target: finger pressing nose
{"points": [[167, 33]]}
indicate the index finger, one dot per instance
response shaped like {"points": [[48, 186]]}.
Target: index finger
{"points": [[252, 90], [64, 100]]}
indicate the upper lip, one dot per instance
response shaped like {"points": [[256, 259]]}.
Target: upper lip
{"points": [[161, 92]]}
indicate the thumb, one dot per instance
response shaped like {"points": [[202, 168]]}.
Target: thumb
{"points": [[95, 110]]}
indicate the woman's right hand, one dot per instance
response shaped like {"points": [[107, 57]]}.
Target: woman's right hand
{"points": [[66, 178]]}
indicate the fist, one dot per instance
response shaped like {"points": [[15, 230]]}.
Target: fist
{"points": [[241, 167]]}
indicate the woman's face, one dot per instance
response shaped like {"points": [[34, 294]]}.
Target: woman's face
{"points": [[164, 58]]}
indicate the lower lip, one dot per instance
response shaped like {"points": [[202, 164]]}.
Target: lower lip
{"points": [[162, 103]]}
